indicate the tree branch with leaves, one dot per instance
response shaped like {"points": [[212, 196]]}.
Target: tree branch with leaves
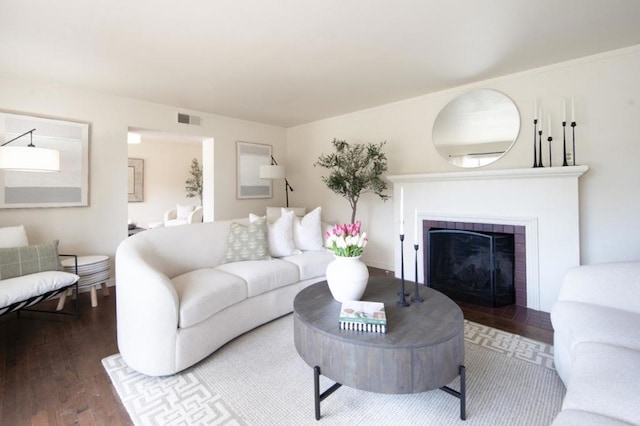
{"points": [[355, 170], [194, 183]]}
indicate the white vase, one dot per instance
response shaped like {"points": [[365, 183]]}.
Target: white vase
{"points": [[347, 278]]}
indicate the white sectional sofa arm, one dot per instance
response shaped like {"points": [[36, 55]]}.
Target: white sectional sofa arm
{"points": [[597, 344], [147, 311], [614, 285]]}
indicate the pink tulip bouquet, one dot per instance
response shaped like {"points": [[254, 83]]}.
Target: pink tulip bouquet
{"points": [[345, 240]]}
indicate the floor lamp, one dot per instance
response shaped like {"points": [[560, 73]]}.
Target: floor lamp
{"points": [[274, 171]]}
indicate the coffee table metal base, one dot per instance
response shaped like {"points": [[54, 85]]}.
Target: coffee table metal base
{"points": [[319, 397]]}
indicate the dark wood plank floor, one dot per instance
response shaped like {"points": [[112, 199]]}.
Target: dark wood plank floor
{"points": [[50, 370]]}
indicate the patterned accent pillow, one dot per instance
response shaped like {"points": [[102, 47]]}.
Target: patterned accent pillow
{"points": [[248, 242], [18, 261]]}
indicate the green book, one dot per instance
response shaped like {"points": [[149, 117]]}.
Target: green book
{"points": [[363, 316]]}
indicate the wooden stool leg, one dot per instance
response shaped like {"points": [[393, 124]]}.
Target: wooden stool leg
{"points": [[94, 296], [61, 301], [105, 290]]}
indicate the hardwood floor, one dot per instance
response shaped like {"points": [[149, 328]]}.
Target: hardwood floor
{"points": [[50, 370], [51, 374], [514, 319]]}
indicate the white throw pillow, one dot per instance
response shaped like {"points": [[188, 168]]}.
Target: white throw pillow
{"points": [[13, 236], [273, 213], [307, 231], [280, 235], [183, 212]]}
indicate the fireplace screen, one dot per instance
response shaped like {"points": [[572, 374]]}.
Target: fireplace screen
{"points": [[471, 266]]}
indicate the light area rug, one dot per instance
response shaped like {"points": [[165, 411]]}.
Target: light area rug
{"points": [[259, 379]]}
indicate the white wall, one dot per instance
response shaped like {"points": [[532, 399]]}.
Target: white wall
{"points": [[606, 89], [166, 168], [99, 228]]}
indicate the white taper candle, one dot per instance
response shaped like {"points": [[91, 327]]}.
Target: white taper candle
{"points": [[402, 210], [415, 228]]}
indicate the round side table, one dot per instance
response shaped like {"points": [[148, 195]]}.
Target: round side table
{"points": [[94, 271]]}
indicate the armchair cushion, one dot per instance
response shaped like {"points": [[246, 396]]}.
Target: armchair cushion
{"points": [[183, 215], [183, 212], [18, 261], [19, 289]]}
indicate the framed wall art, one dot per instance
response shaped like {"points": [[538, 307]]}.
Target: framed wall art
{"points": [[136, 180], [67, 188], [250, 156]]}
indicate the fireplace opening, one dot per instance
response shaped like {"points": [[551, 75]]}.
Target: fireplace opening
{"points": [[472, 266]]}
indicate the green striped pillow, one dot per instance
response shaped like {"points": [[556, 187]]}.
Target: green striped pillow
{"points": [[18, 261]]}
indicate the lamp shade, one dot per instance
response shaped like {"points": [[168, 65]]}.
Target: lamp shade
{"points": [[29, 159], [272, 172]]}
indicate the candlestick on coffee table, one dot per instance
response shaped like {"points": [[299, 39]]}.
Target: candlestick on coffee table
{"points": [[416, 293], [402, 300]]}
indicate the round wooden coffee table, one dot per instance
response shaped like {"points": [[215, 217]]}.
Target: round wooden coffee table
{"points": [[422, 350]]}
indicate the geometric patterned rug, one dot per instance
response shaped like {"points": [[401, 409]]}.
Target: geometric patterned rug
{"points": [[259, 379]]}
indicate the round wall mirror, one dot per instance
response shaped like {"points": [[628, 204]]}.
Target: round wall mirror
{"points": [[476, 128]]}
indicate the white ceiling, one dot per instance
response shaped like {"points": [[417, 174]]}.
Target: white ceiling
{"points": [[288, 62]]}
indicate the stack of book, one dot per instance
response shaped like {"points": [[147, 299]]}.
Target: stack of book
{"points": [[363, 316]]}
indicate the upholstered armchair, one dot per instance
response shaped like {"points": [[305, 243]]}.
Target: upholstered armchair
{"points": [[183, 215]]}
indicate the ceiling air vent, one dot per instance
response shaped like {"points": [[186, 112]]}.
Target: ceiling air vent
{"points": [[188, 119]]}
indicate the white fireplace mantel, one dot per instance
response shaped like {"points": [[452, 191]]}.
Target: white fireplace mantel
{"points": [[544, 200], [538, 172]]}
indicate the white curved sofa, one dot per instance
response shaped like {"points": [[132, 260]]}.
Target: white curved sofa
{"points": [[177, 302], [596, 325]]}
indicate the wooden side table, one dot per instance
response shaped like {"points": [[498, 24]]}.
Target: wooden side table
{"points": [[94, 271]]}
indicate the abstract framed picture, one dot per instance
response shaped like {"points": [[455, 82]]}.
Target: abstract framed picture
{"points": [[67, 188], [136, 180], [250, 156]]}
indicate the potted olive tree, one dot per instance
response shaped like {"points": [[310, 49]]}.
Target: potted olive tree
{"points": [[355, 170], [194, 183]]}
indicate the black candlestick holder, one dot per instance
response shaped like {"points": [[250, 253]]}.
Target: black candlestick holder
{"points": [[564, 144], [550, 139], [535, 149], [402, 296], [573, 153], [540, 148], [416, 294]]}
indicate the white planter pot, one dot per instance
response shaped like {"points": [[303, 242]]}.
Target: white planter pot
{"points": [[347, 278]]}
